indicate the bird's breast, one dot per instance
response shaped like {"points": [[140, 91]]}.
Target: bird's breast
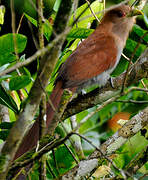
{"points": [[102, 78]]}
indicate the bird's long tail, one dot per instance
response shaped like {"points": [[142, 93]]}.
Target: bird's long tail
{"points": [[55, 98], [31, 139]]}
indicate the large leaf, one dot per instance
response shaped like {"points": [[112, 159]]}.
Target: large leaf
{"points": [[19, 82], [68, 162], [130, 47], [6, 99], [32, 20], [7, 44], [87, 16], [80, 33], [56, 5], [138, 31], [8, 47], [47, 28], [7, 58]]}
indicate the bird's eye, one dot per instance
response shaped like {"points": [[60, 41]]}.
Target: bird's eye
{"points": [[120, 13]]}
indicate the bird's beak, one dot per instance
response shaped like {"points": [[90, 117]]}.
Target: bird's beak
{"points": [[135, 12]]}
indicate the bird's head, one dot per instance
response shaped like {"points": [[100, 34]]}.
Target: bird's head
{"points": [[120, 13], [119, 20]]}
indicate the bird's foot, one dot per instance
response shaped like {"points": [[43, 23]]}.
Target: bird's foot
{"points": [[83, 92], [111, 82]]}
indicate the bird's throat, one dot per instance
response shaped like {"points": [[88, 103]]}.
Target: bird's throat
{"points": [[123, 28]]}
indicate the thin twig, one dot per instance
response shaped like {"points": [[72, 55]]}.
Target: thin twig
{"points": [[20, 23], [40, 14], [14, 37], [20, 171], [77, 142], [102, 12], [132, 101], [33, 36], [136, 89], [104, 5], [134, 3], [127, 58], [144, 85], [93, 13], [72, 154], [70, 139]]}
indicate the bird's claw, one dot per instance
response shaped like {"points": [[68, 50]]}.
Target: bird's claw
{"points": [[111, 82]]}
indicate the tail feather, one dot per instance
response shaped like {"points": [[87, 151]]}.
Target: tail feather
{"points": [[30, 140], [55, 98]]}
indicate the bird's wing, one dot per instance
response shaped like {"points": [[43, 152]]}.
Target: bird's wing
{"points": [[93, 56]]}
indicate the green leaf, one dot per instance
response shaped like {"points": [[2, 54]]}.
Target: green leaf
{"points": [[87, 16], [140, 32], [129, 150], [121, 67], [56, 5], [4, 77], [47, 29], [6, 58], [7, 47], [46, 26], [19, 82], [32, 20], [80, 33], [68, 162], [2, 68], [6, 100], [130, 46], [7, 44]]}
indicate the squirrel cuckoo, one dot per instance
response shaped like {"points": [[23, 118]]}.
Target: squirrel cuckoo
{"points": [[91, 63]]}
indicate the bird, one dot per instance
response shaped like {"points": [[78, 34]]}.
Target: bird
{"points": [[90, 63], [96, 57]]}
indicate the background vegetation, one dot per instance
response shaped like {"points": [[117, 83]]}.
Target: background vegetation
{"points": [[23, 19]]}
